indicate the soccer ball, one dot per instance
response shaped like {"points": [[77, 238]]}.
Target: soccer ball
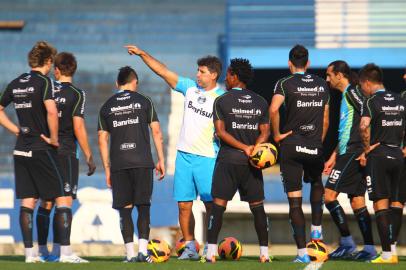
{"points": [[181, 244], [264, 155], [317, 251], [159, 250], [230, 249]]}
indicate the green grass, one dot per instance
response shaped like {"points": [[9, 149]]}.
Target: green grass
{"points": [[245, 263]]}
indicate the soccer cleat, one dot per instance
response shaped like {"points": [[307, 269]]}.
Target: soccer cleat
{"points": [[132, 260], [144, 258], [363, 255], [303, 259], [395, 258], [342, 252], [72, 259], [316, 236], [205, 250], [52, 258], [379, 259], [263, 259], [204, 259], [34, 259], [189, 254]]}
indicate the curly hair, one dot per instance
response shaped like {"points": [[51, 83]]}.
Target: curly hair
{"points": [[40, 54], [242, 69]]}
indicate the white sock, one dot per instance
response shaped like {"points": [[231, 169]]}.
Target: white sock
{"points": [[315, 228], [129, 249], [386, 255], [43, 250], [393, 249], [347, 241], [263, 251], [56, 250], [29, 252], [301, 252], [66, 250], [370, 249], [191, 245], [142, 246], [211, 251]]}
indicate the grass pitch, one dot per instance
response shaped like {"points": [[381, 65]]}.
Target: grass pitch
{"points": [[246, 263]]}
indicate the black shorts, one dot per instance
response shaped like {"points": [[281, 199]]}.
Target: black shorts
{"points": [[132, 186], [402, 184], [70, 174], [228, 178], [383, 176], [37, 175], [299, 162], [347, 176]]}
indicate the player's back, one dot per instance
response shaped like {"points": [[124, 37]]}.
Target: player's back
{"points": [[126, 116], [28, 93], [388, 116], [242, 112], [305, 98]]}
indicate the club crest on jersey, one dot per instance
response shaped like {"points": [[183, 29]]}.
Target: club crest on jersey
{"points": [[201, 99], [25, 79]]}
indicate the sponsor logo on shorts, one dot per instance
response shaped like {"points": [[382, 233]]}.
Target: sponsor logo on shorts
{"points": [[369, 184], [75, 189], [303, 149], [25, 130], [129, 121], [22, 153], [127, 146], [67, 187], [306, 128]]}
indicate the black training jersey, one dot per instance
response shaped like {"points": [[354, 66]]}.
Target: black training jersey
{"points": [[349, 138], [403, 95], [242, 112], [70, 102], [28, 93], [388, 116], [126, 116], [306, 95]]}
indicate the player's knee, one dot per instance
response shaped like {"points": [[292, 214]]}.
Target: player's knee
{"points": [[65, 201], [330, 196], [47, 204], [397, 204], [185, 207], [357, 202], [381, 204], [220, 202]]}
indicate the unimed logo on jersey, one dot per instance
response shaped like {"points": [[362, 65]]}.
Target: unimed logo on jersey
{"points": [[129, 121], [127, 146], [302, 149], [130, 107], [19, 91]]}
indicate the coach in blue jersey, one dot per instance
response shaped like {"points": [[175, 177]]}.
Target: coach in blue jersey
{"points": [[306, 98], [382, 124], [345, 173], [124, 121], [197, 146]]}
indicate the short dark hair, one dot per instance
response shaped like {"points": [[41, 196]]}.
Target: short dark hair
{"points": [[340, 66], [66, 63], [242, 69], [40, 53], [371, 72], [212, 63], [299, 56], [126, 75]]}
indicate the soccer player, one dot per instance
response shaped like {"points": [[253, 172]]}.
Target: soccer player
{"points": [[382, 124], [241, 120], [124, 120], [197, 147], [345, 172], [305, 97], [70, 102], [36, 166]]}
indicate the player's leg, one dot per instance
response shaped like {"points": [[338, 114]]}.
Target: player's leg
{"points": [[122, 191], [43, 220], [143, 179], [396, 216], [223, 189], [251, 190], [184, 192], [365, 225], [292, 173]]}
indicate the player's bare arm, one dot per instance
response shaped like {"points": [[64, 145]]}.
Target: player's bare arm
{"points": [[330, 163], [276, 103], [230, 140], [53, 122], [79, 128], [264, 132], [325, 121], [7, 123], [158, 141], [159, 68], [104, 137]]}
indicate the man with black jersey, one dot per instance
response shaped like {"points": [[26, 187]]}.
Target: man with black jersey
{"points": [[383, 124], [241, 121], [345, 172], [72, 131], [125, 118], [306, 99], [36, 167]]}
